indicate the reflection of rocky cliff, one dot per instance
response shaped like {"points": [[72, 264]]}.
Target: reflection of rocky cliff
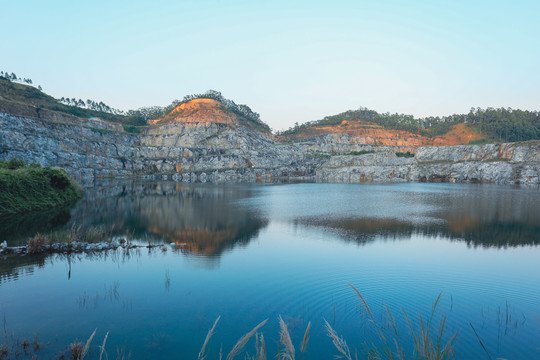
{"points": [[489, 234], [502, 218], [203, 217]]}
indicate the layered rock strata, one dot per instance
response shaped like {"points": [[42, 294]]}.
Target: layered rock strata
{"points": [[221, 152], [512, 163]]}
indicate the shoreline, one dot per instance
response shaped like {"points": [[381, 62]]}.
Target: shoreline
{"points": [[76, 247]]}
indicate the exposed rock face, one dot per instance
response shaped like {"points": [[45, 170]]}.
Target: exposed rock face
{"points": [[362, 132], [199, 111], [202, 152], [341, 143], [218, 151], [512, 163]]}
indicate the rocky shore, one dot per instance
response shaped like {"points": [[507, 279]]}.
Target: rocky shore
{"points": [[77, 247]]}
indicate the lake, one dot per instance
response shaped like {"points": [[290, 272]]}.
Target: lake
{"points": [[253, 252]]}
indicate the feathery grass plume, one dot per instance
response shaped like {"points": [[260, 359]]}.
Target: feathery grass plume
{"points": [[285, 340], [102, 347], [208, 336], [339, 342], [87, 346], [243, 340], [305, 340], [260, 347], [263, 349]]}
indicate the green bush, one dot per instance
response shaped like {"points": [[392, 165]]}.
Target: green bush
{"points": [[407, 154], [361, 152], [31, 188], [131, 129]]}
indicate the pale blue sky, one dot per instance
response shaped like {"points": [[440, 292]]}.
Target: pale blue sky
{"points": [[291, 61]]}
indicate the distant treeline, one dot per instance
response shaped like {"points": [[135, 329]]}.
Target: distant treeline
{"points": [[14, 77], [496, 124]]}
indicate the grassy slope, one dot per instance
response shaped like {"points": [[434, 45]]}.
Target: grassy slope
{"points": [[33, 188], [26, 100]]}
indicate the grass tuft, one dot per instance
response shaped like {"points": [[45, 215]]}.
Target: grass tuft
{"points": [[35, 244]]}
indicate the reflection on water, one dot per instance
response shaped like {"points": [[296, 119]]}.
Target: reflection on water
{"points": [[479, 215], [18, 227], [203, 219], [249, 252], [213, 218], [14, 267], [489, 234]]}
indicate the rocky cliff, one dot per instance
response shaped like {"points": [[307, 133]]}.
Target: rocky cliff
{"points": [[513, 163], [205, 151], [186, 147]]}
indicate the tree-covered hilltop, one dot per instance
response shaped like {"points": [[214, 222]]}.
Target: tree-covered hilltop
{"points": [[242, 111], [501, 124], [24, 99]]}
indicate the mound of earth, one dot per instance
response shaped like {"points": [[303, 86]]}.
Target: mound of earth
{"points": [[199, 111]]}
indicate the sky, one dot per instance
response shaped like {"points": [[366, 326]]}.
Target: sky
{"points": [[290, 61]]}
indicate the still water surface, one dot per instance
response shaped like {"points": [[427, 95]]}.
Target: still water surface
{"points": [[259, 251]]}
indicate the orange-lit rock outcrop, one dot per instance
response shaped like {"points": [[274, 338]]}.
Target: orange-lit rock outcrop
{"points": [[199, 111]]}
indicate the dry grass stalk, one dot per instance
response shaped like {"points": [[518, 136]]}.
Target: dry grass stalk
{"points": [[35, 244], [364, 301], [305, 340], [285, 341], [74, 233], [88, 342], [243, 340], [339, 342], [102, 347], [208, 336], [261, 348]]}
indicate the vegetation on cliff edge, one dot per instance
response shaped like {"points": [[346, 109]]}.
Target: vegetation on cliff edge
{"points": [[35, 101], [508, 125], [29, 188]]}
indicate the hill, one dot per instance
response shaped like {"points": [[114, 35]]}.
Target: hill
{"points": [[199, 111], [26, 100], [211, 106], [489, 125]]}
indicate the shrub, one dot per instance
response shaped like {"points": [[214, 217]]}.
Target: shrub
{"points": [[14, 164], [35, 244], [132, 129], [58, 179], [31, 188], [407, 154]]}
